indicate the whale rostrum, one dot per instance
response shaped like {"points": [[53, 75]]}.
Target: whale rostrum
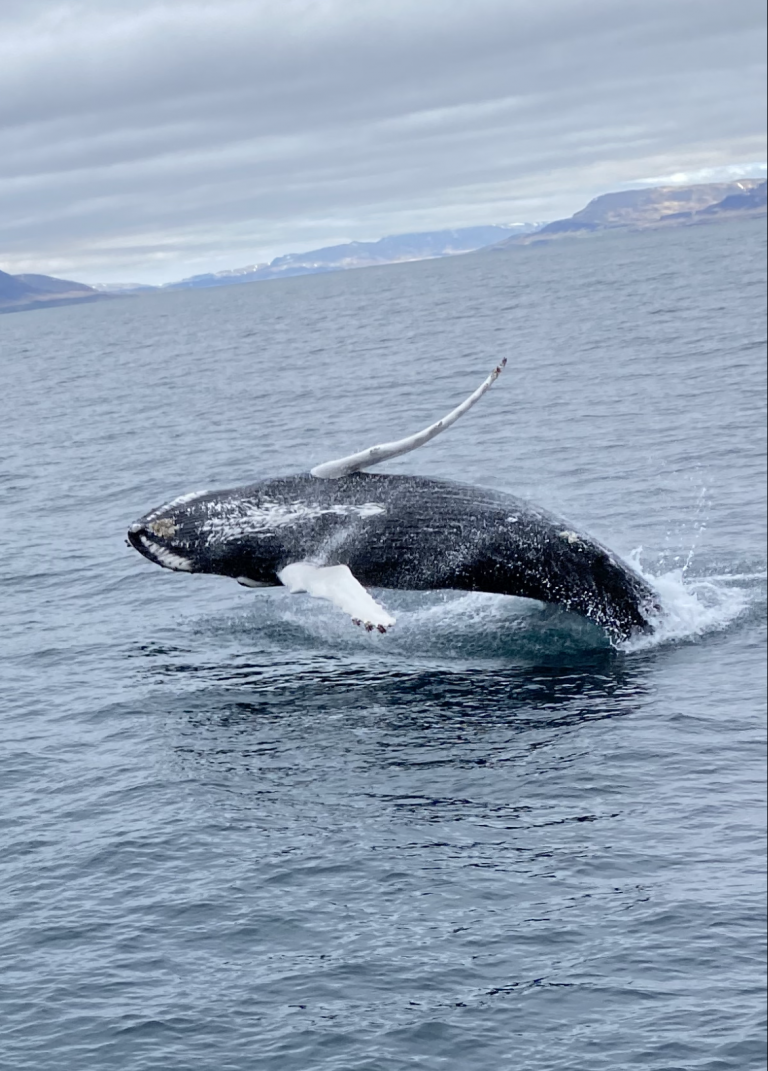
{"points": [[336, 531]]}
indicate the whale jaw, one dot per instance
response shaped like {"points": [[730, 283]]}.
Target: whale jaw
{"points": [[153, 548]]}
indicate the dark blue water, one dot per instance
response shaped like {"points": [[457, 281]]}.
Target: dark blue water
{"points": [[238, 833]]}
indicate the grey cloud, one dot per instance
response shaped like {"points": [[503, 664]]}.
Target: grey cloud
{"points": [[179, 134]]}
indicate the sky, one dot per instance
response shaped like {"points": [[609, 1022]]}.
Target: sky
{"points": [[147, 141]]}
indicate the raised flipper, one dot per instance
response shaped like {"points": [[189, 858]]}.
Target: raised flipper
{"points": [[374, 455], [337, 584]]}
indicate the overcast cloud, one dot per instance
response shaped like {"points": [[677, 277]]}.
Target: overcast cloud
{"points": [[144, 140]]}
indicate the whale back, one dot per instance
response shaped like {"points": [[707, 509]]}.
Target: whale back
{"points": [[403, 532]]}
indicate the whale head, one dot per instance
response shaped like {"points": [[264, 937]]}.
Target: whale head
{"points": [[171, 536], [208, 532], [154, 539]]}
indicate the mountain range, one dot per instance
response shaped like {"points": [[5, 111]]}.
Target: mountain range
{"points": [[628, 210], [23, 292], [394, 249], [654, 207]]}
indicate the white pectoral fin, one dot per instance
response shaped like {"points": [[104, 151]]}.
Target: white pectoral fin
{"points": [[337, 584], [374, 455]]}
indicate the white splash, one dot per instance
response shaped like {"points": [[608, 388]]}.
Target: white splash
{"points": [[692, 610], [235, 519], [692, 607]]}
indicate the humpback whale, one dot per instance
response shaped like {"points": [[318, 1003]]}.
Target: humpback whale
{"points": [[338, 530]]}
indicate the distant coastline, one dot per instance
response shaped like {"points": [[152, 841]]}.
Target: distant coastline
{"points": [[393, 249], [653, 208], [646, 208], [22, 293]]}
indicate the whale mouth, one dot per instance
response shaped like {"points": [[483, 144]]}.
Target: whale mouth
{"points": [[151, 547]]}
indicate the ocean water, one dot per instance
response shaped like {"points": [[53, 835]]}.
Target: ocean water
{"points": [[238, 833]]}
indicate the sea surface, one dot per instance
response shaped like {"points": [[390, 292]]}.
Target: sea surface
{"points": [[236, 832]]}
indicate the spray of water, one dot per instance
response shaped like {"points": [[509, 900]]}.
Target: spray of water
{"points": [[692, 607], [497, 625], [700, 527]]}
